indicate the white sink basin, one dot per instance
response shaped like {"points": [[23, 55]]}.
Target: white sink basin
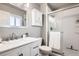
{"points": [[4, 42], [6, 45]]}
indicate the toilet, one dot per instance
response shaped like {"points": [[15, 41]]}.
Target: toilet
{"points": [[45, 50], [54, 43]]}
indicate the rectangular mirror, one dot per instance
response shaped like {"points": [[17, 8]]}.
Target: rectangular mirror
{"points": [[12, 17], [8, 19]]}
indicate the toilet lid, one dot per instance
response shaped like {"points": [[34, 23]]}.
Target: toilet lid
{"points": [[45, 48]]}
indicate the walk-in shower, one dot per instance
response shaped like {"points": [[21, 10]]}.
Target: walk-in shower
{"points": [[65, 21]]}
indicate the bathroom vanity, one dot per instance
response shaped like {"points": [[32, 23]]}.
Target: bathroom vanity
{"points": [[21, 47]]}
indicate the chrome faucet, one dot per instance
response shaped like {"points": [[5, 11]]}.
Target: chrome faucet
{"points": [[13, 36]]}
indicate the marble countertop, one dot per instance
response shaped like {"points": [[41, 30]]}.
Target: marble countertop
{"points": [[16, 43]]}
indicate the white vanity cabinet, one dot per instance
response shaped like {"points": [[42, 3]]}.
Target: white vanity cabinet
{"points": [[24, 49], [35, 48], [19, 51], [12, 52]]}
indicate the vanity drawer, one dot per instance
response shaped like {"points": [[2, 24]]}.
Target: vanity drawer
{"points": [[35, 48], [35, 52], [36, 44]]}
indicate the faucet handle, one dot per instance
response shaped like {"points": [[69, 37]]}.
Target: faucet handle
{"points": [[26, 33], [13, 36]]}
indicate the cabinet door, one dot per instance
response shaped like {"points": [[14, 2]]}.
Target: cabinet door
{"points": [[35, 51], [24, 50], [35, 48], [36, 17], [10, 53]]}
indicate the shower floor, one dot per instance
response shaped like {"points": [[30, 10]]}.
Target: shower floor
{"points": [[69, 52]]}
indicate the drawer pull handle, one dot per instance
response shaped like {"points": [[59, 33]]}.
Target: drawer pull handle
{"points": [[21, 54], [35, 47], [36, 54]]}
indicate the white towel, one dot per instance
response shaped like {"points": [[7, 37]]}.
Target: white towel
{"points": [[54, 40]]}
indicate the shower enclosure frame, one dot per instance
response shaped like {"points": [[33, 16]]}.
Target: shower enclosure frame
{"points": [[56, 11]]}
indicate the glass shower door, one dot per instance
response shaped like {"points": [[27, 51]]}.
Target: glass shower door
{"points": [[55, 33]]}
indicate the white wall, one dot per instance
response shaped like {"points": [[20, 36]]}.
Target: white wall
{"points": [[33, 31], [68, 31], [45, 9]]}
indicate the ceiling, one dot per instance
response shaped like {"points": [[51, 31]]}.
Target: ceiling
{"points": [[55, 6]]}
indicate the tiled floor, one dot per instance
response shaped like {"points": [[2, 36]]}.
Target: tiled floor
{"points": [[69, 52]]}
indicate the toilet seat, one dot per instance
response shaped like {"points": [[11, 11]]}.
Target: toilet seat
{"points": [[45, 50]]}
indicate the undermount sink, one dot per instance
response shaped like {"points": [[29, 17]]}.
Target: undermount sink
{"points": [[18, 41], [3, 42]]}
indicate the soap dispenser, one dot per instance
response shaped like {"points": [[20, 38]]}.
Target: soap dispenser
{"points": [[24, 35], [0, 39]]}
